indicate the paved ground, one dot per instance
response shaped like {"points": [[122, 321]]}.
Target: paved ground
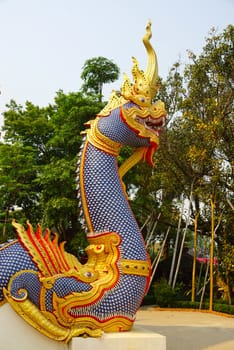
{"points": [[189, 330]]}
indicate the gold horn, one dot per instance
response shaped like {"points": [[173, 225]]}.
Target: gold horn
{"points": [[151, 72], [145, 84]]}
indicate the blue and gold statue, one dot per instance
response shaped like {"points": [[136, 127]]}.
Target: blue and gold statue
{"points": [[48, 287]]}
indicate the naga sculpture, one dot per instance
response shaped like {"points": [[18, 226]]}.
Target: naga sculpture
{"points": [[48, 287]]}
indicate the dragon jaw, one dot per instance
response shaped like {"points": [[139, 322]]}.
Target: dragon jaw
{"points": [[147, 122], [152, 125]]}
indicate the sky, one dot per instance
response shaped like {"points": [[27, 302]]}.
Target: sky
{"points": [[45, 43]]}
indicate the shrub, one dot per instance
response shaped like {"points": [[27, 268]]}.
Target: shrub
{"points": [[225, 308], [149, 299], [165, 295]]}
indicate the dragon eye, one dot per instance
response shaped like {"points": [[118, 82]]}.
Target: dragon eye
{"points": [[142, 99], [88, 274]]}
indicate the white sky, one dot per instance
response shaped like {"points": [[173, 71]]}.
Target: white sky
{"points": [[44, 43]]}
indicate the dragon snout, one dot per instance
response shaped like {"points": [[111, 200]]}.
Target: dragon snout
{"points": [[155, 119]]}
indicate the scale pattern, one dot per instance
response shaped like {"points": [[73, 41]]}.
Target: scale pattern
{"points": [[13, 258], [114, 128], [108, 207]]}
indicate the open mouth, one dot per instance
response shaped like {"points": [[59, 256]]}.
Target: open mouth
{"points": [[154, 125]]}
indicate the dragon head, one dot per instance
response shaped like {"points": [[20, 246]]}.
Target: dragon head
{"points": [[137, 110]]}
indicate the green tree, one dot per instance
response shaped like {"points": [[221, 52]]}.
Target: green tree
{"points": [[26, 131], [57, 177], [38, 162], [96, 72], [197, 147], [18, 191]]}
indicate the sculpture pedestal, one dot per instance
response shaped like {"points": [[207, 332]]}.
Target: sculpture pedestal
{"points": [[16, 334], [137, 339]]}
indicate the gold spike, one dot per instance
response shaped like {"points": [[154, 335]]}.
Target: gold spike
{"points": [[144, 86], [152, 66]]}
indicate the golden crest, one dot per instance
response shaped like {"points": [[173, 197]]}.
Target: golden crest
{"points": [[145, 84]]}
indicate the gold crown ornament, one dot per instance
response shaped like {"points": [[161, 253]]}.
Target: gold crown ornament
{"points": [[145, 84]]}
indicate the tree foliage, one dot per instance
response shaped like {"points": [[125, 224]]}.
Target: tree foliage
{"points": [[195, 157], [96, 72], [38, 162]]}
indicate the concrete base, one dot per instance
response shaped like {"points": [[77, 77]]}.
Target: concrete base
{"points": [[137, 339], [16, 334]]}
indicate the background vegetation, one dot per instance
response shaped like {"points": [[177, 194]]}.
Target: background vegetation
{"points": [[193, 167]]}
